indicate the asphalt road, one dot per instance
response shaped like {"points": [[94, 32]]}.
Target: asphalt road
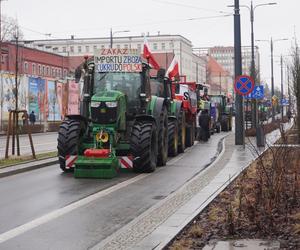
{"points": [[47, 209], [43, 142]]}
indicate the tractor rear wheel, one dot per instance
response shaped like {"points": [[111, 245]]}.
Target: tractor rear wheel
{"points": [[173, 138], [224, 124], [144, 146], [68, 139], [163, 138], [181, 132]]}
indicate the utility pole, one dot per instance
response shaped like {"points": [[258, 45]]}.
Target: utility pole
{"points": [[252, 73], [239, 118], [111, 38], [281, 69], [272, 81], [289, 90], [220, 79]]}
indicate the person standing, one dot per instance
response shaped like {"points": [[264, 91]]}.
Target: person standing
{"points": [[32, 118]]}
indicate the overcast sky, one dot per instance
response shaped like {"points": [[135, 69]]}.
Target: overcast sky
{"points": [[208, 27]]}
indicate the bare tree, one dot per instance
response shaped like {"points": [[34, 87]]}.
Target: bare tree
{"points": [[295, 69], [9, 28]]}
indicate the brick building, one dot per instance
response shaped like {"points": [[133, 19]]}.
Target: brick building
{"points": [[33, 62]]}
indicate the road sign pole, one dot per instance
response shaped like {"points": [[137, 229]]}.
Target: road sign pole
{"points": [[239, 117]]}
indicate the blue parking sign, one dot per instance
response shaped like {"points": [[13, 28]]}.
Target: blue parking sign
{"points": [[257, 93]]}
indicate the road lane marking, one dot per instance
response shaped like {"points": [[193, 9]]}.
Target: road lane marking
{"points": [[69, 208], [62, 211]]}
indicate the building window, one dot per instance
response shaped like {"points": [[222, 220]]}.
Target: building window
{"points": [[72, 49], [125, 46], [53, 72], [163, 46], [39, 70], [95, 47], [43, 70], [139, 47], [87, 48], [118, 46], [79, 49], [65, 73], [59, 72], [102, 46], [171, 44], [26, 67], [64, 49], [47, 71], [33, 69], [155, 46]]}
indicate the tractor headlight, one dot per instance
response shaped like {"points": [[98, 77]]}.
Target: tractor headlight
{"points": [[111, 104], [95, 104]]}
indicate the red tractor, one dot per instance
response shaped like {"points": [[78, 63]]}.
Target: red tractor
{"points": [[187, 93]]}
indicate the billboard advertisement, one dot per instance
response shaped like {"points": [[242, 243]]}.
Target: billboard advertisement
{"points": [[37, 95], [53, 107], [73, 98]]}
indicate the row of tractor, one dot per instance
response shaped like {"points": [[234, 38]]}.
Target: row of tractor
{"points": [[128, 118]]}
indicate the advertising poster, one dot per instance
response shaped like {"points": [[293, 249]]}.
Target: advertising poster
{"points": [[62, 98], [8, 97], [53, 107], [73, 98], [37, 97], [33, 96]]}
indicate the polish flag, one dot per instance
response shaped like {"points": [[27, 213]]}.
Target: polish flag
{"points": [[149, 56], [173, 70]]}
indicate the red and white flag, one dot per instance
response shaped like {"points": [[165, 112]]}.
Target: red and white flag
{"points": [[149, 56], [173, 70]]}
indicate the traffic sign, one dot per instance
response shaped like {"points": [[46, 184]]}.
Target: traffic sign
{"points": [[243, 85], [258, 92], [284, 102]]}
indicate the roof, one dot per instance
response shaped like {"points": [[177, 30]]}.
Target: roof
{"points": [[215, 68]]}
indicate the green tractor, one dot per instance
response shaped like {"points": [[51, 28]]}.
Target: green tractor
{"points": [[224, 111], [121, 124]]}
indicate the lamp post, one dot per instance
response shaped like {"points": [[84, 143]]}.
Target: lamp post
{"points": [[272, 69], [115, 32], [252, 68], [239, 118]]}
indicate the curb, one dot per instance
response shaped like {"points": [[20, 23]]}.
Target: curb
{"points": [[24, 167]]}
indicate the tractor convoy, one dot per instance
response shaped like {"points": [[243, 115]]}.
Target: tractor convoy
{"points": [[128, 119]]}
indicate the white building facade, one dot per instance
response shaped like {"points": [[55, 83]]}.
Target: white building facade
{"points": [[191, 65], [225, 57]]}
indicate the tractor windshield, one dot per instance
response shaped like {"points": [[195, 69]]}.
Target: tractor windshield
{"points": [[127, 83]]}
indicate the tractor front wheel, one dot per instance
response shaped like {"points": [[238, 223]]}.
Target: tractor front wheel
{"points": [[68, 139], [144, 146]]}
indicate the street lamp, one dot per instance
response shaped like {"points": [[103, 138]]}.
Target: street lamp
{"points": [[252, 68], [272, 69], [115, 32]]}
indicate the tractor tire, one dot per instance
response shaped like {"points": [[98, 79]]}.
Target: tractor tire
{"points": [[162, 156], [218, 128], [181, 132], [143, 145], [224, 125], [68, 139], [190, 135], [173, 138]]}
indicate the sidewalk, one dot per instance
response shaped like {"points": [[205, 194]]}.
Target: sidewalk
{"points": [[155, 228]]}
